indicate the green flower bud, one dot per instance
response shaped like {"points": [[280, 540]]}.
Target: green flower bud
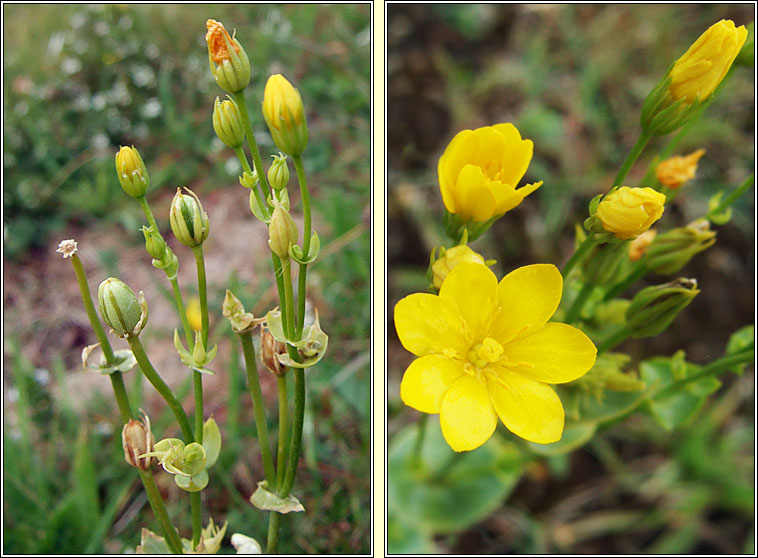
{"points": [[278, 173], [189, 222], [120, 309], [653, 308], [672, 250], [249, 179], [154, 243], [193, 459], [601, 263], [131, 172], [282, 232], [229, 63], [227, 122]]}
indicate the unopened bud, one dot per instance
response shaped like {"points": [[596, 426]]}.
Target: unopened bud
{"points": [[229, 63], [227, 122], [120, 308], [675, 171], [154, 243], [449, 259], [639, 245], [278, 173], [653, 308], [270, 348], [672, 250], [282, 232], [189, 222], [137, 440], [131, 171], [285, 116]]}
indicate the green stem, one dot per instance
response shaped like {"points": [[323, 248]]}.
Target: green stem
{"points": [[246, 339], [305, 196], [581, 298], [81, 278], [420, 435], [196, 510], [578, 254], [272, 544], [279, 276], [613, 340], [246, 167], [161, 387], [179, 303], [281, 458], [289, 306], [122, 399], [297, 432], [148, 213], [631, 158], [202, 292], [156, 502], [731, 198], [635, 275], [257, 162], [715, 367]]}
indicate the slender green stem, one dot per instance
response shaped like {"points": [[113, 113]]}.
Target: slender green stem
{"points": [[257, 162], [297, 432], [196, 510], [161, 387], [148, 213], [578, 254], [631, 158], [202, 290], [635, 275], [613, 340], [246, 339], [581, 298], [156, 502], [279, 276], [246, 167], [122, 399], [289, 306], [272, 544], [305, 196], [711, 369], [420, 435], [281, 457], [179, 303], [732, 197], [81, 278]]}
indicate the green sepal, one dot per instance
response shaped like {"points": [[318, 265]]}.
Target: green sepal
{"points": [[264, 499], [311, 347], [211, 442], [741, 340], [719, 218], [296, 252], [124, 361], [194, 483], [256, 209], [199, 357]]}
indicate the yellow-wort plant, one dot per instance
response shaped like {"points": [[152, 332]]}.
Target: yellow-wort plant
{"points": [[290, 342], [533, 348]]}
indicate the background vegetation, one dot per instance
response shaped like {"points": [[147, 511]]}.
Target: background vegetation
{"points": [[81, 80], [572, 78]]}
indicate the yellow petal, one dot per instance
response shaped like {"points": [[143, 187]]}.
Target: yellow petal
{"points": [[528, 298], [426, 380], [473, 196], [473, 289], [529, 409], [466, 416], [510, 198], [459, 152], [427, 324], [559, 352], [492, 146], [518, 154]]}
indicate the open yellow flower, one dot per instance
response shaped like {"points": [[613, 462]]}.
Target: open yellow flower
{"points": [[480, 169], [486, 350]]}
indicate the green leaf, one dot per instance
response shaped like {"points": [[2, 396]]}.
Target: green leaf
{"points": [[264, 499], [718, 218], [613, 404], [194, 483], [433, 497], [211, 441], [741, 340], [403, 538], [575, 435], [673, 410]]}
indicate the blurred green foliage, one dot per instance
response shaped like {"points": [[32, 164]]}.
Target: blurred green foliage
{"points": [[81, 80]]}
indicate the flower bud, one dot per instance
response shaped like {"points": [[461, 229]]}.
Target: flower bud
{"points": [[131, 172], [639, 245], [278, 173], [227, 122], [626, 212], [154, 243], [601, 264], [746, 57], [119, 307], [137, 440], [284, 115], [228, 61], [653, 308], [189, 222], [249, 179], [449, 259], [673, 249], [282, 232], [270, 348], [675, 171], [194, 315]]}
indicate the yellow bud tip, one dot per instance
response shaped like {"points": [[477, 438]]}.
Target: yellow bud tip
{"points": [[214, 36]]}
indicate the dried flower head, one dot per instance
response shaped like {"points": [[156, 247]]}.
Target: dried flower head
{"points": [[68, 247]]}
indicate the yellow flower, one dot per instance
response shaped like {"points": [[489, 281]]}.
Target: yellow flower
{"points": [[480, 169], [451, 258], [486, 351], [284, 115], [697, 73], [627, 212], [639, 245], [193, 314], [227, 59], [217, 36], [675, 171]]}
